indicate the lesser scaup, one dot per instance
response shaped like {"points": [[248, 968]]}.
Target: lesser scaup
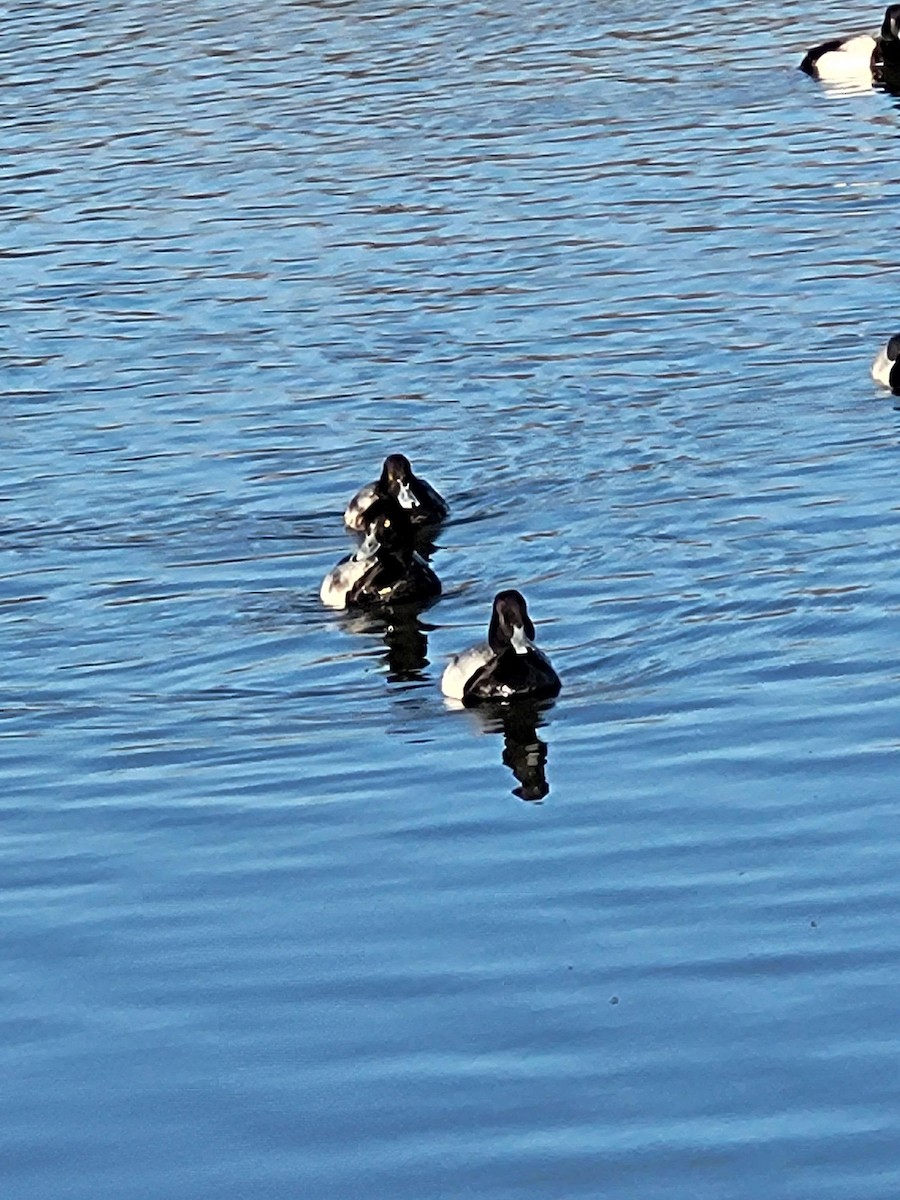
{"points": [[385, 570], [507, 665], [423, 504], [886, 367], [887, 51]]}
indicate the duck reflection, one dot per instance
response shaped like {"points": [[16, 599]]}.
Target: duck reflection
{"points": [[405, 638], [523, 751]]}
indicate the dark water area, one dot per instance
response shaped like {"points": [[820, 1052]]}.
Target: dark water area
{"points": [[276, 920]]}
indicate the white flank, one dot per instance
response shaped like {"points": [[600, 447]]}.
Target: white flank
{"points": [[338, 582], [358, 507], [850, 61], [461, 668], [881, 368]]}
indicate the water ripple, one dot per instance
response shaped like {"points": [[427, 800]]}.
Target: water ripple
{"points": [[275, 918]]}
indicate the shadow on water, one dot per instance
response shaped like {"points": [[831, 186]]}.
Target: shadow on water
{"points": [[405, 639], [523, 751]]}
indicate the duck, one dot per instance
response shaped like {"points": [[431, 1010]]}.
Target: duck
{"points": [[508, 665], [886, 64], [423, 504], [886, 367], [842, 59], [386, 569]]}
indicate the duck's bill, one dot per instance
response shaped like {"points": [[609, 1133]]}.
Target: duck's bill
{"points": [[519, 640], [406, 498]]}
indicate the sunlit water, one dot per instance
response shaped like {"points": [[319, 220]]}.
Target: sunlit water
{"points": [[276, 923]]}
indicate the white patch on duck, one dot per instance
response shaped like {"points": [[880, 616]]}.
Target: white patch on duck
{"points": [[341, 580], [886, 363], [462, 667], [841, 60]]}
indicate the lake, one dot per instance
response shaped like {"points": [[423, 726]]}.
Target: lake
{"points": [[277, 921]]}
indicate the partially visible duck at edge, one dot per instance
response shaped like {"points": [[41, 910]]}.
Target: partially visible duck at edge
{"points": [[423, 504], [861, 56], [508, 665], [841, 59], [887, 52], [886, 367], [386, 569]]}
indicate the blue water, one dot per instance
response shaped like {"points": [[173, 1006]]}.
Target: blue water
{"points": [[275, 921]]}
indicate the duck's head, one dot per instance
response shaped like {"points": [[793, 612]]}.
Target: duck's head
{"points": [[388, 531], [510, 623], [396, 480], [890, 29]]}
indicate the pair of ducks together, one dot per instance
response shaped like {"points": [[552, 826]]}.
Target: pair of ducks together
{"points": [[396, 514], [849, 57]]}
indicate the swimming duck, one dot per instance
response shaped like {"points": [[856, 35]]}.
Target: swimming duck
{"points": [[841, 59], [886, 367], [507, 665], [423, 504], [887, 51], [385, 569]]}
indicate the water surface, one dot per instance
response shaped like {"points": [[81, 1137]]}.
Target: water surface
{"points": [[275, 921]]}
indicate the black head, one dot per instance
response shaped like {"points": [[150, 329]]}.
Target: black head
{"points": [[396, 471], [509, 615], [389, 530], [892, 350], [397, 480], [890, 29]]}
